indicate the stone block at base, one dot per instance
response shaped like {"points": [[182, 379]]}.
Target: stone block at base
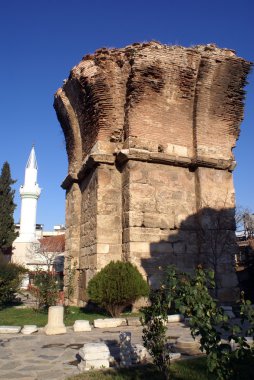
{"points": [[51, 330]]}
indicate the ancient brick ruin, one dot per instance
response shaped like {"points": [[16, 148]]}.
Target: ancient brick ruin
{"points": [[149, 134]]}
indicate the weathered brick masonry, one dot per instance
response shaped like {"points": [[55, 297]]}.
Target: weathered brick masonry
{"points": [[149, 134]]}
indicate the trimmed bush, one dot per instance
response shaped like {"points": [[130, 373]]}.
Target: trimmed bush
{"points": [[10, 279], [117, 286]]}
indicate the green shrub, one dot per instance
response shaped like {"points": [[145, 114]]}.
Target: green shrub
{"points": [[191, 297], [10, 279], [117, 286], [45, 290]]}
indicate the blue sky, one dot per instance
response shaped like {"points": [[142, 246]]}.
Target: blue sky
{"points": [[40, 41]]}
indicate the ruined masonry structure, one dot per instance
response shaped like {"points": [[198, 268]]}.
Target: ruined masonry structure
{"points": [[149, 134]]}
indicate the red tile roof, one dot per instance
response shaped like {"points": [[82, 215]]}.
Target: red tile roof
{"points": [[53, 243]]}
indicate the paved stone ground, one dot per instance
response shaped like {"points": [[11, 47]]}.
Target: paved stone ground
{"points": [[42, 357]]}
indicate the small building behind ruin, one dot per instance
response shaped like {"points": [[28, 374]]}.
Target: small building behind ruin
{"points": [[149, 133]]}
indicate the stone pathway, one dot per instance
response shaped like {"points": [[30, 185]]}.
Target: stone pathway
{"points": [[42, 357]]}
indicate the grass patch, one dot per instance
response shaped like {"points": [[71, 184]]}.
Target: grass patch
{"points": [[192, 369], [11, 316]]}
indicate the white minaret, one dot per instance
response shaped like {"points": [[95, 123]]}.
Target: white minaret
{"points": [[29, 194]]}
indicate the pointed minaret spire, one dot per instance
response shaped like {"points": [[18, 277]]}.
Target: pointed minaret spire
{"points": [[32, 163], [31, 170], [29, 193]]}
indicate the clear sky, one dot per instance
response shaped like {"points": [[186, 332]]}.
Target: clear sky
{"points": [[40, 41]]}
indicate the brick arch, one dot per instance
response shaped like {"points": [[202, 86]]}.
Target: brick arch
{"points": [[71, 130]]}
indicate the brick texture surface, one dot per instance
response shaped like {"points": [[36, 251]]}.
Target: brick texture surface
{"points": [[149, 133]]}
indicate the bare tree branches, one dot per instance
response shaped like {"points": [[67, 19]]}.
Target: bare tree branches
{"points": [[245, 221], [45, 253]]}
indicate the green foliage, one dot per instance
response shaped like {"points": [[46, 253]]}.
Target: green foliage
{"points": [[7, 207], [154, 322], [208, 321], [211, 323], [45, 289], [10, 279], [117, 286]]}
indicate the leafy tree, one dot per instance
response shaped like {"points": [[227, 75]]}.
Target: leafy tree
{"points": [[46, 254], [7, 207], [117, 286], [11, 276], [45, 289]]}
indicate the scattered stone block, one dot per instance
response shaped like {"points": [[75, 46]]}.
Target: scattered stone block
{"points": [[109, 322], [249, 340], [98, 355], [187, 344], [29, 329], [139, 354], [175, 318], [91, 351], [133, 321], [81, 325], [175, 355], [234, 346], [94, 355], [55, 321], [94, 347], [10, 329]]}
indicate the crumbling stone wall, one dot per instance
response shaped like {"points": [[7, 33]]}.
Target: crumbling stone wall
{"points": [[149, 134]]}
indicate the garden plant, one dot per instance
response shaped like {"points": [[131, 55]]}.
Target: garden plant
{"points": [[190, 296], [117, 286], [45, 289], [11, 276]]}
